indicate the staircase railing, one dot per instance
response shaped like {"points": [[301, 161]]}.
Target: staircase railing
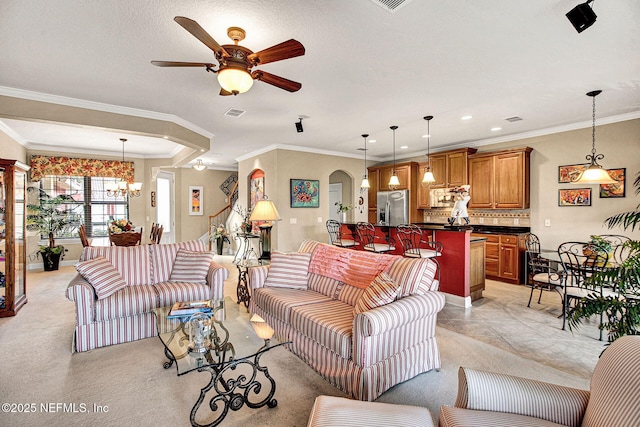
{"points": [[221, 217]]}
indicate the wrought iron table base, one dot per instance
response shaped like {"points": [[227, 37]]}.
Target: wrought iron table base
{"points": [[242, 290]]}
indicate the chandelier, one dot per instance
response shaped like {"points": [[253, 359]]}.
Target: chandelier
{"points": [[199, 166], [595, 173], [123, 188]]}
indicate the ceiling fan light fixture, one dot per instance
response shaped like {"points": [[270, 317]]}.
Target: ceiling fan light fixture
{"points": [[199, 166], [594, 174], [235, 80]]}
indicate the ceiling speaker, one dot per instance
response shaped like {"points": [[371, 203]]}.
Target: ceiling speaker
{"points": [[582, 17]]}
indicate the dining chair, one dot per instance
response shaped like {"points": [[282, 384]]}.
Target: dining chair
{"points": [[156, 233], [581, 260], [542, 272], [413, 245], [82, 232], [372, 243], [336, 236]]}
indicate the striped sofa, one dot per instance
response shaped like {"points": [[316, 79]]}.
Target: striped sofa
{"points": [[361, 351], [125, 315], [492, 399]]}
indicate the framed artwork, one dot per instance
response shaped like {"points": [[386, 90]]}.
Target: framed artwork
{"points": [[617, 189], [574, 197], [570, 172], [256, 188], [196, 194], [305, 193]]}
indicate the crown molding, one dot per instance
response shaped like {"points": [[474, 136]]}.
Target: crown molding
{"points": [[304, 150]]}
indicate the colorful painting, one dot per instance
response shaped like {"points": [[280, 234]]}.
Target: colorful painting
{"points": [[617, 189], [305, 193], [256, 191], [195, 206], [570, 173], [574, 197]]}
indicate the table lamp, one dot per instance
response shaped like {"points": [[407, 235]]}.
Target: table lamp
{"points": [[265, 210]]}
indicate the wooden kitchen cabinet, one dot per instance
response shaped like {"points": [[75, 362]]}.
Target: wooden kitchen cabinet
{"points": [[500, 180], [423, 191], [503, 257], [404, 176], [450, 167], [409, 177]]}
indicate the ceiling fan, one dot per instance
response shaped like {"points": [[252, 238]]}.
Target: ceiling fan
{"points": [[235, 62]]}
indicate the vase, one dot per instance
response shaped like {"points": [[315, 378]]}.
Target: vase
{"points": [[50, 260], [248, 227], [344, 216], [219, 245]]}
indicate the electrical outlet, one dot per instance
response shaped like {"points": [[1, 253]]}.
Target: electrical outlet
{"points": [[547, 223], [293, 220], [319, 219], [495, 220], [516, 221]]}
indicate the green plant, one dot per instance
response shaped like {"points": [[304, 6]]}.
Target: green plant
{"points": [[621, 310], [51, 217], [343, 208]]}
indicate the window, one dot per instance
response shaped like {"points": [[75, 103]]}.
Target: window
{"points": [[95, 208]]}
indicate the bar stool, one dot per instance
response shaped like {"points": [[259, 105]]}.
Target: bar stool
{"points": [[413, 246], [372, 243], [335, 235]]}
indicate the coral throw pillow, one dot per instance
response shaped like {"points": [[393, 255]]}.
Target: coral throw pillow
{"points": [[102, 275], [288, 270], [191, 267], [382, 291]]}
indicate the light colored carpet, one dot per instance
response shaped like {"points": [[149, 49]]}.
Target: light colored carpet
{"points": [[129, 381]]}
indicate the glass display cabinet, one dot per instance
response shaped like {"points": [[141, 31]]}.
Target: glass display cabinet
{"points": [[13, 252]]}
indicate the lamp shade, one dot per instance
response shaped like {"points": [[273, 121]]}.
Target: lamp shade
{"points": [[235, 80], [594, 174], [365, 182], [265, 210], [199, 166], [428, 178], [394, 182]]}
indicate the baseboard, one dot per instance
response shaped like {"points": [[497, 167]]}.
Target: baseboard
{"points": [[40, 266], [457, 300]]}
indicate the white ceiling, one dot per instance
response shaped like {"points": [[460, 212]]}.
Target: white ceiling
{"points": [[364, 70]]}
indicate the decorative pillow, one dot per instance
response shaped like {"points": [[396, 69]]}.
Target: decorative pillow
{"points": [[288, 270], [191, 267], [382, 291], [102, 275], [415, 276]]}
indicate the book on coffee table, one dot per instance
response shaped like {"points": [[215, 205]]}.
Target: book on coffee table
{"points": [[188, 308]]}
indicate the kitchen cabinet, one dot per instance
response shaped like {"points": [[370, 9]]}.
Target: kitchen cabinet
{"points": [[500, 180], [12, 236], [504, 257], [450, 167], [423, 191], [404, 176]]}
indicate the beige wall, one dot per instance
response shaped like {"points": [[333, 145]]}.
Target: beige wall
{"points": [[279, 167], [11, 149]]}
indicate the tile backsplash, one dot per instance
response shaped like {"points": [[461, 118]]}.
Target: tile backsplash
{"points": [[506, 218]]}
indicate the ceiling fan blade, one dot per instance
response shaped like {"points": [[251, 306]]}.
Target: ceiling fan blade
{"points": [[225, 92], [277, 81], [198, 32], [181, 64], [285, 50]]}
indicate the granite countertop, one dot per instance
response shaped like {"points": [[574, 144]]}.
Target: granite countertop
{"points": [[477, 228]]}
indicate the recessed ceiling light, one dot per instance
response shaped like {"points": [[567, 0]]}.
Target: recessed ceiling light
{"points": [[466, 117], [426, 135], [404, 147], [165, 137], [372, 141], [496, 129]]}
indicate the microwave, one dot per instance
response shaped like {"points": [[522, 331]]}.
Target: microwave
{"points": [[441, 198]]}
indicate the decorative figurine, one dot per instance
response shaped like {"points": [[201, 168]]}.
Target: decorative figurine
{"points": [[459, 212]]}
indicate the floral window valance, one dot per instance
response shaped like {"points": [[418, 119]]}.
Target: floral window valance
{"points": [[44, 165]]}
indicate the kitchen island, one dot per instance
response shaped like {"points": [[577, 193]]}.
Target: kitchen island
{"points": [[461, 263]]}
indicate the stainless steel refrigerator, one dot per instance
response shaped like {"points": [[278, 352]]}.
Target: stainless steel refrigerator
{"points": [[393, 207]]}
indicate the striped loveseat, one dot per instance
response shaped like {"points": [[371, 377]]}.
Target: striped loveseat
{"points": [[118, 286], [493, 399], [363, 321]]}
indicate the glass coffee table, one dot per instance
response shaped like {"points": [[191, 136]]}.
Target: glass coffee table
{"points": [[229, 351]]}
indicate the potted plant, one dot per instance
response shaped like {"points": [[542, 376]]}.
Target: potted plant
{"points": [[51, 217], [343, 210], [622, 310], [246, 226]]}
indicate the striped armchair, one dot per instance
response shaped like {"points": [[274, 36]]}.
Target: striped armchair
{"points": [[113, 311], [334, 319], [491, 399]]}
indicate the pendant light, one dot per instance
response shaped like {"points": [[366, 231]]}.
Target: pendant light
{"points": [[199, 166], [594, 174], [365, 177], [428, 177], [394, 182]]}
